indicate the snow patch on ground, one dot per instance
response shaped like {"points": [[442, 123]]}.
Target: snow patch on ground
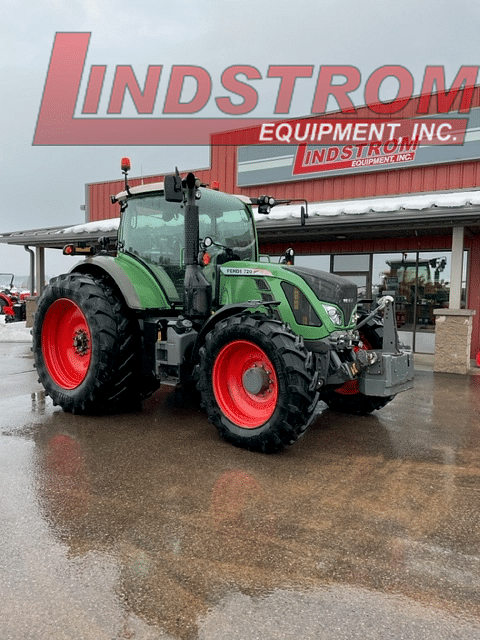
{"points": [[14, 331]]}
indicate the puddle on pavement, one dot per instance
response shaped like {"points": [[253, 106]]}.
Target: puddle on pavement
{"points": [[147, 523]]}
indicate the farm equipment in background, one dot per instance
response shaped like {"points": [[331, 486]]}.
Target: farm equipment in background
{"points": [[12, 303], [417, 281]]}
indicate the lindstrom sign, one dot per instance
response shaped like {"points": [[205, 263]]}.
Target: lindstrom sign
{"points": [[319, 160], [69, 116], [358, 146], [371, 143]]}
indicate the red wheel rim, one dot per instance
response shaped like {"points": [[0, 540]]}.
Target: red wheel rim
{"points": [[66, 343], [233, 365], [349, 388]]}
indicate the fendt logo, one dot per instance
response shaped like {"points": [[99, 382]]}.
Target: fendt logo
{"points": [[58, 123]]}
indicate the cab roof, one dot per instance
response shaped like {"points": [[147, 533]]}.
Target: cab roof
{"points": [[159, 186]]}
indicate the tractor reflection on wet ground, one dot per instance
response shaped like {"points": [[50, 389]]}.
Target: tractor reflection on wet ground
{"points": [[147, 524]]}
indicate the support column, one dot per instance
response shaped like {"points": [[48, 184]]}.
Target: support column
{"points": [[453, 326], [456, 269], [473, 288], [453, 337]]}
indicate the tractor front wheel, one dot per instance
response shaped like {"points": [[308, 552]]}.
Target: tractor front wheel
{"points": [[86, 345], [257, 384]]}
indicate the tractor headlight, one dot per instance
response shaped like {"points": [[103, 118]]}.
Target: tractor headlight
{"points": [[334, 314]]}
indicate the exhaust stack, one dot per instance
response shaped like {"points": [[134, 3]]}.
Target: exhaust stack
{"points": [[197, 289]]}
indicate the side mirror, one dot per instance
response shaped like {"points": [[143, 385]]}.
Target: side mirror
{"points": [[173, 188], [303, 215], [289, 257]]}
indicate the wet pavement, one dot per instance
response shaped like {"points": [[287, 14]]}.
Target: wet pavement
{"points": [[148, 526]]}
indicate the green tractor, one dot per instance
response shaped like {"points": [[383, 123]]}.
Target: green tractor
{"points": [[185, 300]]}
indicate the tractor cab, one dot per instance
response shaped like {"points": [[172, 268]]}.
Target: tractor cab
{"points": [[152, 230]]}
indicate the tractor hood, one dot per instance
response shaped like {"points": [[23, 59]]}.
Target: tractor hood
{"points": [[329, 288]]}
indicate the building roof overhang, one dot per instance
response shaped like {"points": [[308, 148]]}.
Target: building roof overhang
{"points": [[371, 225], [398, 216]]}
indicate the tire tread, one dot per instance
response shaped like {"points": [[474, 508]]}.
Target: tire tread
{"points": [[297, 401]]}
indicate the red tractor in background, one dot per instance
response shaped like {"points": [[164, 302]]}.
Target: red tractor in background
{"points": [[12, 303]]}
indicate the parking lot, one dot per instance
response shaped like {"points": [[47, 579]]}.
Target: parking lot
{"points": [[147, 525]]}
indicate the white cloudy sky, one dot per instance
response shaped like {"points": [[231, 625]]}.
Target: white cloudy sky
{"points": [[44, 186]]}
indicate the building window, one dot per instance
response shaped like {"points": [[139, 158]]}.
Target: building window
{"points": [[351, 262], [320, 262], [420, 283], [356, 268]]}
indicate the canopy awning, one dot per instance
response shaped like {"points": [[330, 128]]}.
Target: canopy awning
{"points": [[420, 214]]}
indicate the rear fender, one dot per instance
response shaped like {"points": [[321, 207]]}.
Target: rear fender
{"points": [[138, 287]]}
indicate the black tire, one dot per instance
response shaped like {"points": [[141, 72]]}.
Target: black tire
{"points": [[86, 346], [355, 402], [259, 349]]}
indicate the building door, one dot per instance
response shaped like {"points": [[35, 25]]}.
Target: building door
{"points": [[395, 274]]}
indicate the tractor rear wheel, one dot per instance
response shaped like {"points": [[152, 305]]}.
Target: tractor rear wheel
{"points": [[347, 398], [86, 346], [257, 383]]}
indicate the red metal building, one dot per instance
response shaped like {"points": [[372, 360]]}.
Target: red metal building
{"points": [[382, 235]]}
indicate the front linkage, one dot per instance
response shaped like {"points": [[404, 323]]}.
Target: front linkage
{"points": [[365, 369]]}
